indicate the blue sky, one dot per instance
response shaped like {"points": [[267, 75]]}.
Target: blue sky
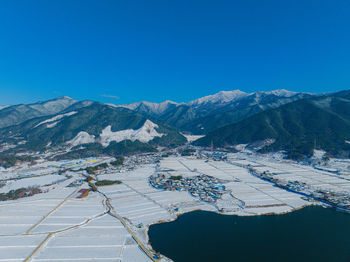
{"points": [[177, 50]]}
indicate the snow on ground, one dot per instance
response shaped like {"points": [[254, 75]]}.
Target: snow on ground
{"points": [[191, 138], [103, 239], [55, 118], [318, 154], [31, 182], [144, 134], [258, 196], [72, 228], [138, 202], [82, 138], [58, 226]]}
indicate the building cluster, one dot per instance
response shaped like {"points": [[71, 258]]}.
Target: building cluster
{"points": [[130, 163], [212, 155], [204, 187], [336, 199], [141, 159]]}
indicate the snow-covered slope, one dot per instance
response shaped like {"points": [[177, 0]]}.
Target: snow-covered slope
{"points": [[16, 114], [221, 98], [54, 119], [55, 105], [279, 92], [96, 123], [152, 108], [82, 138], [210, 112], [144, 134]]}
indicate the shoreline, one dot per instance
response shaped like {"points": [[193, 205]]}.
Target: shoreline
{"points": [[219, 213]]}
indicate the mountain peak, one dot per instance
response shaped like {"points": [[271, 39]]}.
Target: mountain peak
{"points": [[279, 92], [220, 97], [17, 114], [63, 98], [156, 108]]}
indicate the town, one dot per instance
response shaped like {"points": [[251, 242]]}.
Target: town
{"points": [[206, 188], [87, 197]]}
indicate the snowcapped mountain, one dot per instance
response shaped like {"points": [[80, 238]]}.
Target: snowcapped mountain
{"points": [[151, 108], [221, 97], [16, 114], [100, 124], [64, 121], [297, 128], [205, 114], [279, 92]]}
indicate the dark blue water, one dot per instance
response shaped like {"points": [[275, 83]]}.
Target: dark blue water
{"points": [[309, 234]]}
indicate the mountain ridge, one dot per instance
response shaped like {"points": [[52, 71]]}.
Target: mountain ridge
{"points": [[56, 130], [16, 114], [298, 127]]}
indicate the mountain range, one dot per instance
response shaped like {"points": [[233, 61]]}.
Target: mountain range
{"points": [[298, 128], [205, 114], [85, 123], [16, 114], [276, 120]]}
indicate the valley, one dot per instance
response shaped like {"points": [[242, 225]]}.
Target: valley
{"points": [[84, 180], [73, 218], [174, 131]]}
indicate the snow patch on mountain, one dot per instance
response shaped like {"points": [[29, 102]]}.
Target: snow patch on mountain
{"points": [[156, 108], [55, 118], [192, 138], [82, 138], [221, 97], [53, 124], [53, 106], [144, 134], [279, 92], [112, 105]]}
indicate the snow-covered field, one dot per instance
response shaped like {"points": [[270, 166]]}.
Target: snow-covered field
{"points": [[259, 197], [112, 225], [31, 182], [307, 174], [63, 228]]}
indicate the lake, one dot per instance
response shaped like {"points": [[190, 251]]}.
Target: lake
{"points": [[310, 234]]}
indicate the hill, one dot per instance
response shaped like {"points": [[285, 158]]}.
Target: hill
{"points": [[205, 114], [95, 124], [16, 114], [298, 128]]}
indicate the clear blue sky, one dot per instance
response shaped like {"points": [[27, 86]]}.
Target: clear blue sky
{"points": [[177, 50]]}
